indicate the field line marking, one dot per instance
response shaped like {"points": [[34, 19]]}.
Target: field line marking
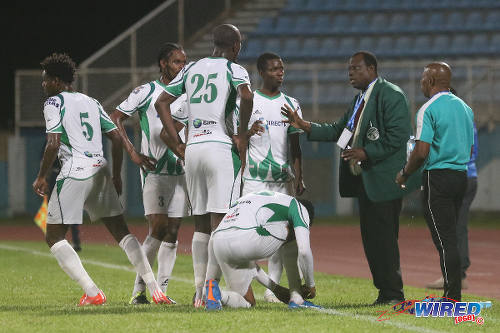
{"points": [[374, 320], [84, 261]]}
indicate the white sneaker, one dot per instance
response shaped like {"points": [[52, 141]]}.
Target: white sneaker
{"points": [[270, 297]]}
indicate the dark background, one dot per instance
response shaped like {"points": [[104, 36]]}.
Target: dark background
{"points": [[33, 30]]}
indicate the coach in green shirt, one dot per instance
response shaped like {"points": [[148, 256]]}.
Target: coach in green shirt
{"points": [[377, 127], [444, 140]]}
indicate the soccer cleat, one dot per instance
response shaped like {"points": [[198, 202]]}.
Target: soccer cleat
{"points": [[213, 295], [160, 298], [305, 305], [139, 298], [99, 299]]}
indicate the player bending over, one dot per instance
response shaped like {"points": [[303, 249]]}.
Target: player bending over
{"points": [[74, 123], [162, 172], [257, 226]]}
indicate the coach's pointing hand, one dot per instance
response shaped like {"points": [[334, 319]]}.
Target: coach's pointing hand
{"points": [[294, 118]]}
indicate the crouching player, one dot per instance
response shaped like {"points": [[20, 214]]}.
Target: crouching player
{"points": [[257, 226]]}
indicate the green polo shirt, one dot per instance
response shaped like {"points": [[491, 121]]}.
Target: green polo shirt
{"points": [[446, 123]]}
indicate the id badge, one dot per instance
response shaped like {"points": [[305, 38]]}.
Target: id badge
{"points": [[344, 138]]}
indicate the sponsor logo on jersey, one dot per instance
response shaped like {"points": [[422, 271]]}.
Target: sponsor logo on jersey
{"points": [[51, 101], [277, 123], [197, 123], [205, 132], [137, 90], [89, 154]]}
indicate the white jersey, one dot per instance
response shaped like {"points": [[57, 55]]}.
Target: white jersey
{"points": [[80, 120], [267, 154], [269, 213], [142, 99], [211, 88]]}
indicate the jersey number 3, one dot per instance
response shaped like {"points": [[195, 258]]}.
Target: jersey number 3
{"points": [[88, 132], [197, 95]]}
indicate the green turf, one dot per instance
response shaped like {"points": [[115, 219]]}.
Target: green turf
{"points": [[37, 296]]}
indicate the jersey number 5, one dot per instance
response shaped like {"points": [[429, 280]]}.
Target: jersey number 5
{"points": [[199, 79], [89, 132]]}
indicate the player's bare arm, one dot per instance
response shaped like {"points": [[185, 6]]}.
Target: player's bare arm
{"points": [[246, 105], [168, 141], [294, 118], [417, 158], [40, 185], [296, 153], [143, 161], [256, 129], [117, 156], [162, 106]]}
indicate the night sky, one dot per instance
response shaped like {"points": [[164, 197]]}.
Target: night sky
{"points": [[31, 30]]}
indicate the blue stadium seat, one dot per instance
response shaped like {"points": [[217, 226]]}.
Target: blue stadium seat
{"points": [[379, 23], [417, 22], [291, 48], [284, 24], [479, 44], [436, 21], [322, 24], [252, 48], [367, 43], [296, 5], [398, 23], [333, 5], [421, 46], [266, 25], [310, 48], [403, 46], [440, 45], [328, 47], [492, 20], [333, 75], [302, 92], [460, 44], [494, 48], [315, 5], [272, 45], [340, 23], [347, 47], [303, 25], [298, 76], [474, 20], [455, 21], [359, 23], [384, 46]]}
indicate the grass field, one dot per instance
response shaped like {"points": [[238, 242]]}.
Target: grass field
{"points": [[37, 296]]}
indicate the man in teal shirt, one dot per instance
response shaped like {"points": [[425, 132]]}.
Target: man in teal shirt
{"points": [[444, 140]]}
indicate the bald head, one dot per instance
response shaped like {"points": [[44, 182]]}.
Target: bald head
{"points": [[435, 78], [225, 36]]}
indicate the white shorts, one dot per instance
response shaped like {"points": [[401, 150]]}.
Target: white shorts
{"points": [[164, 194], [237, 251], [255, 186], [97, 195], [211, 173]]}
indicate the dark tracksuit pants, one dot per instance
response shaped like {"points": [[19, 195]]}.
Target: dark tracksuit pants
{"points": [[379, 222], [462, 222], [444, 190]]}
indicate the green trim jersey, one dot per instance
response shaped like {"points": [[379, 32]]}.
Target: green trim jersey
{"points": [[267, 154], [142, 100], [268, 213], [446, 123], [211, 88], [80, 120]]}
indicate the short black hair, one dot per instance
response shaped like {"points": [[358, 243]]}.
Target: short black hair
{"points": [[166, 51], [60, 65], [310, 208], [263, 58], [369, 58], [225, 36]]}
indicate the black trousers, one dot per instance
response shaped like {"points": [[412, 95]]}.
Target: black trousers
{"points": [[379, 222], [442, 197], [462, 222]]}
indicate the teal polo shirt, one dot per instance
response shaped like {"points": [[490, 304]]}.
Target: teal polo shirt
{"points": [[446, 123]]}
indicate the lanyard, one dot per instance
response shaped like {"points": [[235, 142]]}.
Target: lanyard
{"points": [[350, 123]]}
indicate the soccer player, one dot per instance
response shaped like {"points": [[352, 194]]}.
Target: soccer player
{"points": [[268, 166], [257, 226], [211, 85], [74, 124], [162, 172]]}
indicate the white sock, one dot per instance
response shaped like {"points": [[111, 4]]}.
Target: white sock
{"points": [[166, 261], [295, 297], [264, 279], [136, 256], [150, 247], [71, 264], [199, 250], [275, 268], [213, 268], [233, 299]]}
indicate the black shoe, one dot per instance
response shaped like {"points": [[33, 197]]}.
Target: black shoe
{"points": [[139, 298], [388, 301]]}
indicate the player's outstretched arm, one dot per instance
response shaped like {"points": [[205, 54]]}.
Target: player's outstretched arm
{"points": [[117, 156], [143, 161], [294, 119], [40, 185], [162, 106]]}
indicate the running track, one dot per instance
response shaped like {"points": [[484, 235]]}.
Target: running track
{"points": [[338, 250]]}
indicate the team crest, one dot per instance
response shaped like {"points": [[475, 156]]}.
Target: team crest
{"points": [[372, 134]]}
